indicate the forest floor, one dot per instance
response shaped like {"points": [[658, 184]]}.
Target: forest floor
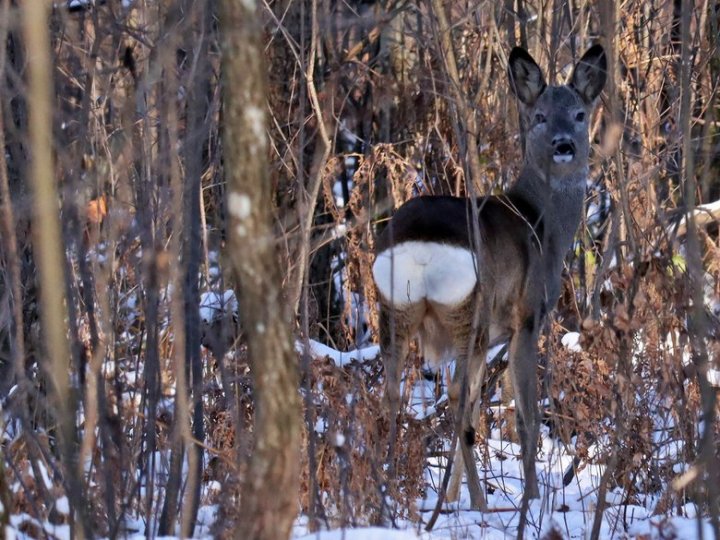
{"points": [[561, 512]]}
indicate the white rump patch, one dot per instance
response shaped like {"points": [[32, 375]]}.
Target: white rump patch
{"points": [[413, 271]]}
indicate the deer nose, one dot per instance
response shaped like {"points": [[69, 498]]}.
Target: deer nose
{"points": [[563, 149]]}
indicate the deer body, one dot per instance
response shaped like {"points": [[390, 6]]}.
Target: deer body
{"points": [[465, 274]]}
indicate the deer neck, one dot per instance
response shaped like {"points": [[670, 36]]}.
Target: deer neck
{"points": [[558, 200]]}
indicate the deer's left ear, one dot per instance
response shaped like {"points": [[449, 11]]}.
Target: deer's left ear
{"points": [[526, 77], [590, 74]]}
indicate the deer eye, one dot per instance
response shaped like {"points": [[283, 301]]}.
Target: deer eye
{"points": [[540, 118], [580, 117]]}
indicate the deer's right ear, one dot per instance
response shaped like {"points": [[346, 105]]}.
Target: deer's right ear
{"points": [[526, 78], [590, 74]]}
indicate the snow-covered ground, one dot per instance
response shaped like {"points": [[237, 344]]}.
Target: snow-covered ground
{"points": [[561, 512], [566, 510]]}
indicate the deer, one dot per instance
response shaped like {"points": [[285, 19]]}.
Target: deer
{"points": [[464, 274]]}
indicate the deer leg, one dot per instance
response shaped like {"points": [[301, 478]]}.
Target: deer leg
{"points": [[471, 417], [468, 378], [523, 371], [453, 490], [396, 327], [510, 431], [465, 424]]}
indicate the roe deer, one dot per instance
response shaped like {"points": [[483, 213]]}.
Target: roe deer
{"points": [[466, 274]]}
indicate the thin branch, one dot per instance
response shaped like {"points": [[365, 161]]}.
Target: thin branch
{"points": [[466, 115], [317, 169]]}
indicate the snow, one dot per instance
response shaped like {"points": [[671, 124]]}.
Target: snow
{"points": [[318, 350], [568, 510], [21, 521], [571, 341], [339, 439], [340, 230], [73, 4], [214, 485], [677, 527], [213, 304], [62, 505], [45, 476], [368, 533]]}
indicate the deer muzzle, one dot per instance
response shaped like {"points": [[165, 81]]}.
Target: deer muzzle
{"points": [[563, 150]]}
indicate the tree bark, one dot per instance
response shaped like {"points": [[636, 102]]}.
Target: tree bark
{"points": [[48, 248], [270, 489]]}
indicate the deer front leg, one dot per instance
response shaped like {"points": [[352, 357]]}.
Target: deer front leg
{"points": [[523, 372]]}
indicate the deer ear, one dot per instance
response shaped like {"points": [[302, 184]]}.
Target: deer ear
{"points": [[526, 78], [590, 73]]}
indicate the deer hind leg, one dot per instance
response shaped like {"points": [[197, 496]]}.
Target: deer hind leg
{"points": [[464, 458], [397, 327], [468, 379], [523, 372], [510, 431]]}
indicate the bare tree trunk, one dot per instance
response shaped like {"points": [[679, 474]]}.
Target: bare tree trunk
{"points": [[269, 496], [698, 323], [48, 249], [197, 27]]}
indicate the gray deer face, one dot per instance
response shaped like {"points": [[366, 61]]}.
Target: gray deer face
{"points": [[556, 118]]}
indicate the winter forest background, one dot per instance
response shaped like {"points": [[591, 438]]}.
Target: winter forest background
{"points": [[190, 195]]}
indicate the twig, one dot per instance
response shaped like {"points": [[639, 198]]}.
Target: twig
{"points": [[316, 172], [466, 115]]}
